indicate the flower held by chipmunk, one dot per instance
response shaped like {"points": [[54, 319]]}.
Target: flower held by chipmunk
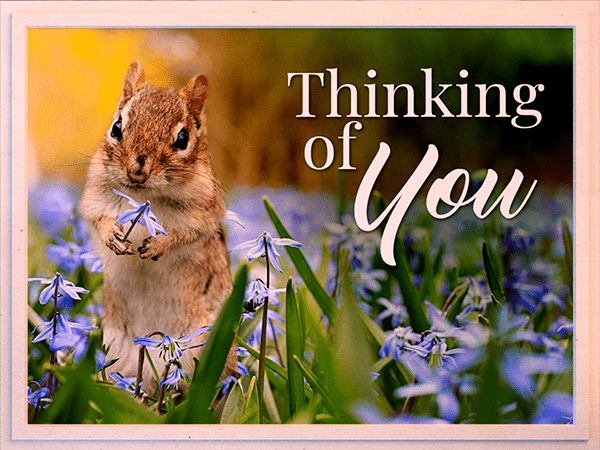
{"points": [[141, 214]]}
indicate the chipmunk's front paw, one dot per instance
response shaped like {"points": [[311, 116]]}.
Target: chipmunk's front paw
{"points": [[151, 248], [116, 243]]}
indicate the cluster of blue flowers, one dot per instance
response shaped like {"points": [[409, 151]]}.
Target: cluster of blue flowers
{"points": [[430, 376], [53, 205], [61, 334]]}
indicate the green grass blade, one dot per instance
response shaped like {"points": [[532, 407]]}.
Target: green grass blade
{"points": [[319, 293], [235, 406], [295, 346], [568, 258], [316, 386], [196, 409], [248, 326], [412, 300], [487, 401], [269, 363], [80, 399], [375, 330], [492, 273]]}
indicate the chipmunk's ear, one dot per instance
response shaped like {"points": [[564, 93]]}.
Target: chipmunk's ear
{"points": [[194, 95], [134, 81]]}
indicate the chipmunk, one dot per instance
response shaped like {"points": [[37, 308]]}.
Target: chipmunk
{"points": [[156, 150]]}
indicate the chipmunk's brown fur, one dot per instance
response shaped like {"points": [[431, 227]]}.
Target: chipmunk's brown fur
{"points": [[175, 283]]}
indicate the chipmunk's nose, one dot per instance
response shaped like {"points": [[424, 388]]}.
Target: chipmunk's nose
{"points": [[138, 172]]}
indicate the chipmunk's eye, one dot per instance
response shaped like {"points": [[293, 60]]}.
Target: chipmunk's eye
{"points": [[116, 131], [181, 141]]}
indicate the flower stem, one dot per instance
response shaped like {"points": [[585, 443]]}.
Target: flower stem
{"points": [[138, 380], [263, 342], [161, 394], [135, 221], [37, 405], [35, 412], [54, 325]]}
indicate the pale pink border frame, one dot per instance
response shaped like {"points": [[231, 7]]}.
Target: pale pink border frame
{"points": [[18, 16]]}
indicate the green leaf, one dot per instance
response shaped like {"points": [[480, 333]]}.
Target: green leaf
{"points": [[456, 302], [412, 300], [375, 330], [248, 326], [241, 408], [80, 399], [486, 402], [196, 408], [568, 258], [328, 399], [319, 293], [295, 346], [269, 363], [307, 415], [429, 289], [272, 382], [492, 273]]}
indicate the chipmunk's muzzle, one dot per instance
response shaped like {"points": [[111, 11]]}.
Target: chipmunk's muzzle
{"points": [[138, 172]]}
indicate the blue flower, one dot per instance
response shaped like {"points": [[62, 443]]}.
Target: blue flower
{"points": [[70, 255], [554, 408], [256, 248], [368, 281], [272, 315], [396, 340], [90, 261], [169, 347], [67, 291], [256, 291], [441, 382], [126, 383], [516, 240], [64, 341], [518, 369], [423, 348], [368, 413], [393, 309], [441, 355], [537, 339], [437, 318], [38, 397], [242, 370], [233, 217], [361, 246], [147, 219], [63, 325], [478, 294], [66, 254], [52, 204], [227, 383], [508, 322], [561, 327], [173, 378], [100, 360], [69, 334], [528, 294], [97, 309]]}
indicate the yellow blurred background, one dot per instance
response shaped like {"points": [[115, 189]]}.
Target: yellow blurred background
{"points": [[75, 78]]}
